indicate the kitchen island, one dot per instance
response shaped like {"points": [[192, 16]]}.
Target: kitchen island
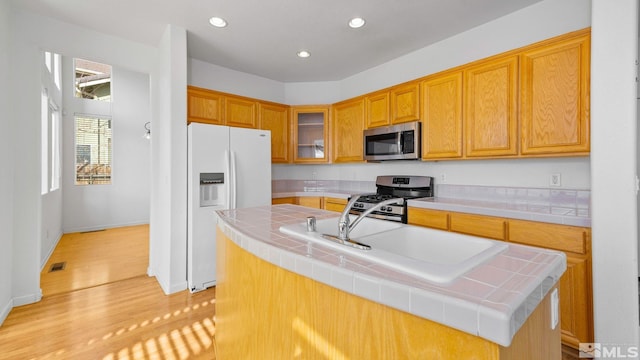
{"points": [[281, 297]]}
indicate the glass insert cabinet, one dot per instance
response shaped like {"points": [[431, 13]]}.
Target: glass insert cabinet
{"points": [[310, 129]]}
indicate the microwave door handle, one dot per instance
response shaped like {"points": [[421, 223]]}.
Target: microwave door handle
{"points": [[399, 141]]}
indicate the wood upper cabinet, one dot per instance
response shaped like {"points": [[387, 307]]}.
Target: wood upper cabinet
{"points": [[377, 109], [405, 102], [346, 129], [442, 116], [555, 79], [275, 118], [204, 106], [310, 134], [491, 107], [240, 112]]}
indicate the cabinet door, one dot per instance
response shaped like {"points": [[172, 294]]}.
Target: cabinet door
{"points": [[405, 103], [436, 219], [491, 108], [204, 106], [275, 118], [285, 200], [576, 307], [377, 106], [346, 128], [555, 97], [442, 115], [240, 112], [310, 130]]}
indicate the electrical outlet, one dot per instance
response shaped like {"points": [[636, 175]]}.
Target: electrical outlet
{"points": [[443, 178], [555, 180]]}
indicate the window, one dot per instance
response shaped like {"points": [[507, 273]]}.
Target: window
{"points": [[92, 80], [93, 150], [50, 150]]}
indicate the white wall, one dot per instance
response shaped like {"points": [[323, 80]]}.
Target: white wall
{"points": [[613, 171], [51, 210], [126, 200], [168, 230], [29, 35], [6, 162]]}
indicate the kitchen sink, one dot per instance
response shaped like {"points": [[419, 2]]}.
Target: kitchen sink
{"points": [[433, 255]]}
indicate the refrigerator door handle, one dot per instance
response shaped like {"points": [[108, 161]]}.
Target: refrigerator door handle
{"points": [[227, 171], [232, 180]]}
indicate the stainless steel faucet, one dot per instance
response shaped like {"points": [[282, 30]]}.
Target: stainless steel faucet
{"points": [[344, 225]]}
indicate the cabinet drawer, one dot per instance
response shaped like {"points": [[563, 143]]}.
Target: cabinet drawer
{"points": [[479, 225], [552, 236], [430, 218], [334, 204], [284, 200], [310, 201]]}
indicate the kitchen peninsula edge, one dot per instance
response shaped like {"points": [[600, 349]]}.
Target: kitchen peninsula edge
{"points": [[491, 302]]}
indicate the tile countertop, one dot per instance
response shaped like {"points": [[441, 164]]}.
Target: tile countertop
{"points": [[491, 301], [555, 206]]}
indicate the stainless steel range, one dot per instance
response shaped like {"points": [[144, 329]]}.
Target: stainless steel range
{"points": [[389, 187]]}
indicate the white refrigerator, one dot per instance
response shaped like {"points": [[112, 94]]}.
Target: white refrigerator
{"points": [[228, 168]]}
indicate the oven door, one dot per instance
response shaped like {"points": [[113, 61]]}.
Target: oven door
{"points": [[397, 142]]}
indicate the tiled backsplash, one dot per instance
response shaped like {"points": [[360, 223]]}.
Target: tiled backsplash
{"points": [[282, 186], [556, 200]]}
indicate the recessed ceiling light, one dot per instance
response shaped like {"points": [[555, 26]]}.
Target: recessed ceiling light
{"points": [[303, 54], [356, 22], [217, 22]]}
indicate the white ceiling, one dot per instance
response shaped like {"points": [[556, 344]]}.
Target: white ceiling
{"points": [[263, 36]]}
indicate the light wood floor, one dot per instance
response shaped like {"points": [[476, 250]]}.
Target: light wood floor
{"points": [[95, 258], [128, 318]]}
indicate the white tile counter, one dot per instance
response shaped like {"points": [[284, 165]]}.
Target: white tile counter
{"points": [[491, 301]]}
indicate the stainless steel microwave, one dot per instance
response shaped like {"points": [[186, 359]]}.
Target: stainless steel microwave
{"points": [[395, 142]]}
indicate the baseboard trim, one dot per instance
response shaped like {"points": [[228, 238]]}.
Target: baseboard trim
{"points": [[5, 311], [27, 299]]}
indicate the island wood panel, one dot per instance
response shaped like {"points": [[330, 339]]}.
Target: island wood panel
{"points": [[442, 116], [346, 129], [576, 304], [264, 309], [377, 109], [405, 102], [275, 118], [436, 219], [491, 107], [555, 79]]}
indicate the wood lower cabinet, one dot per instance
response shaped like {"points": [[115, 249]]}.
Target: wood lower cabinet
{"points": [[334, 204], [478, 225], [576, 288], [347, 124], [310, 201], [285, 200], [555, 79], [436, 219], [275, 118]]}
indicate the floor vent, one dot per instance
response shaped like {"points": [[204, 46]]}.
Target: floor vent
{"points": [[58, 266]]}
